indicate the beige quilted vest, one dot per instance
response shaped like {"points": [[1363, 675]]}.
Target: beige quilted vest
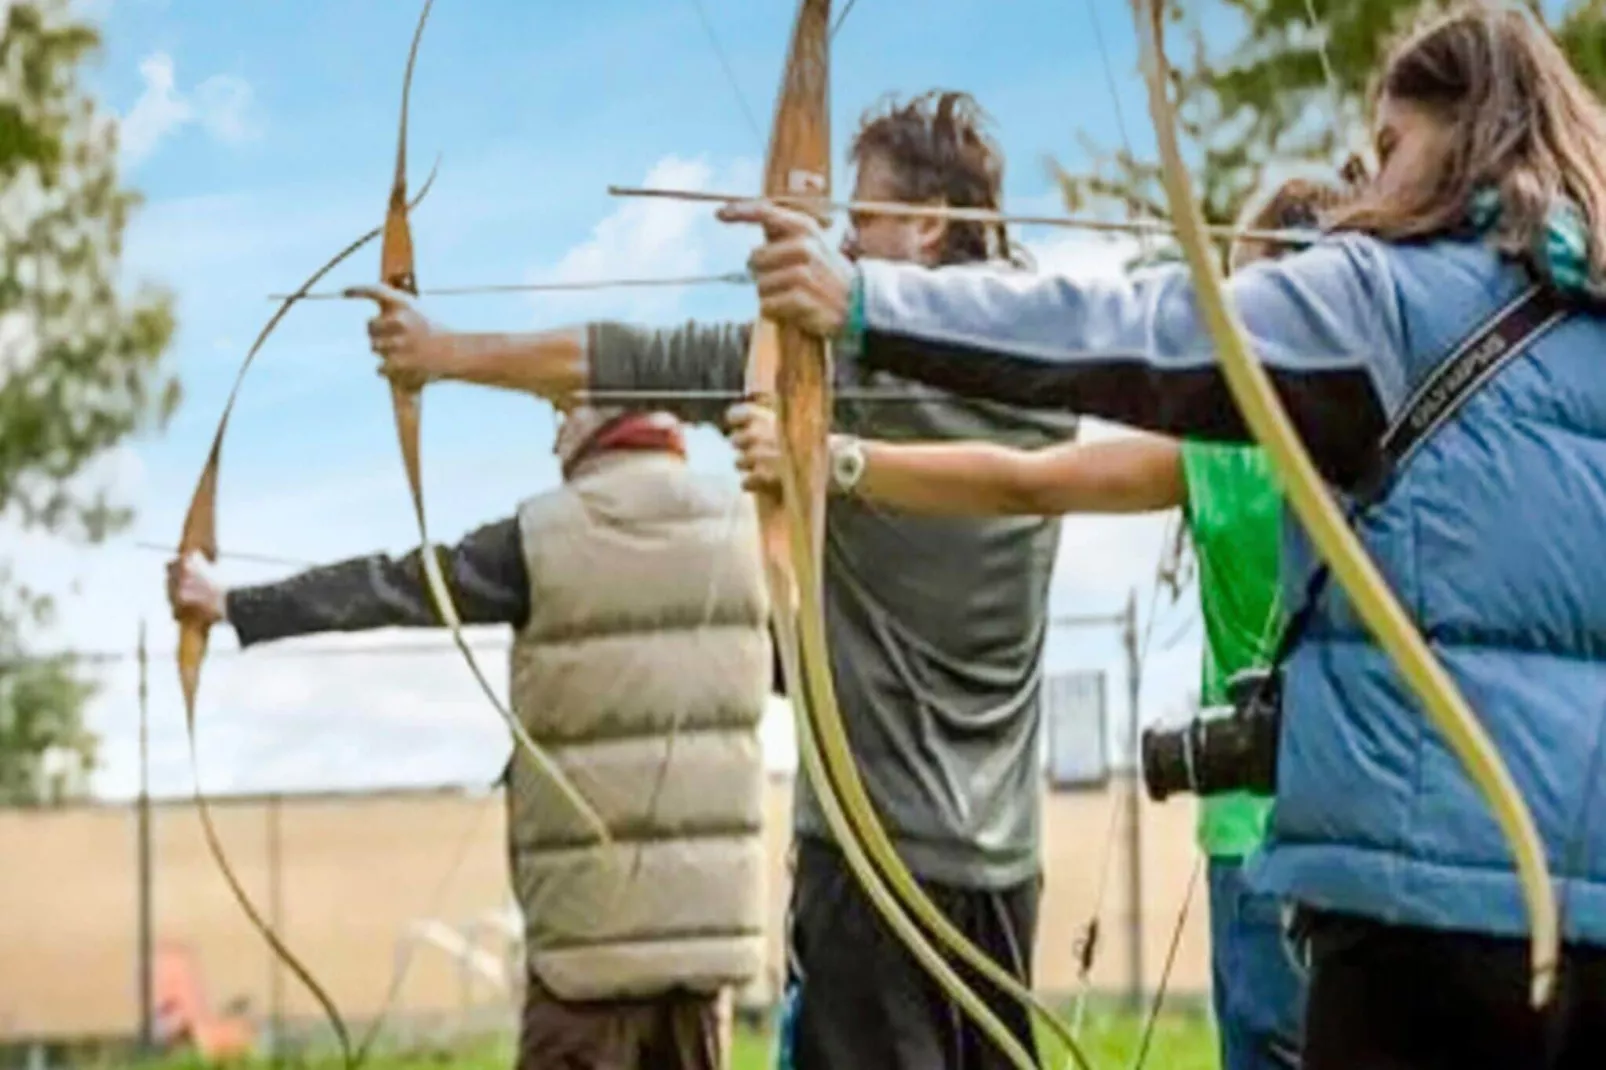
{"points": [[643, 670]]}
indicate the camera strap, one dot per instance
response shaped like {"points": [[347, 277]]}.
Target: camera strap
{"points": [[1509, 331]]}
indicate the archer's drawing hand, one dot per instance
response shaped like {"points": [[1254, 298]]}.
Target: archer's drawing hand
{"points": [[413, 349], [802, 278], [755, 437], [192, 592]]}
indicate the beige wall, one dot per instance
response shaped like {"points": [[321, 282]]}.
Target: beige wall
{"points": [[354, 871]]}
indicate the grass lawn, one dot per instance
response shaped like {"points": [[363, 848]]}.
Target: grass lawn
{"points": [[1182, 1041]]}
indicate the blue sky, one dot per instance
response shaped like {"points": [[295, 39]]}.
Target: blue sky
{"points": [[262, 134]]}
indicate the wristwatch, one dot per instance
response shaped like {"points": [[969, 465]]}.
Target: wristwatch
{"points": [[847, 463]]}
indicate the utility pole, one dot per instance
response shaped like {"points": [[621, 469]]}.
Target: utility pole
{"points": [[147, 1009], [1134, 801], [276, 916], [1127, 622]]}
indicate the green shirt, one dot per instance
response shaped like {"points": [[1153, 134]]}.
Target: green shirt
{"points": [[1234, 513]]}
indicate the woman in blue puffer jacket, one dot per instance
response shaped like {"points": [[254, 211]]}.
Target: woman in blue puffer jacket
{"points": [[1492, 175]]}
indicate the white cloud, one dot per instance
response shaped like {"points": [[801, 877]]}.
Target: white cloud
{"points": [[158, 112], [119, 472], [1081, 254], [221, 105], [656, 238], [645, 234]]}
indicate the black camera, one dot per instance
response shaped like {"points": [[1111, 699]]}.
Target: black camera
{"points": [[1209, 755]]}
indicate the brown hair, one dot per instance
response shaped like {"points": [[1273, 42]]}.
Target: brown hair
{"points": [[1520, 121], [940, 152], [1297, 204]]}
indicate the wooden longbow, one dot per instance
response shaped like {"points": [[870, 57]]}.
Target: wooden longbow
{"points": [[792, 369], [199, 535], [396, 269]]}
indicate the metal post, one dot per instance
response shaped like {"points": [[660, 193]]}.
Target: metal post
{"points": [[465, 981], [1127, 622], [147, 1008], [276, 919], [1134, 682]]}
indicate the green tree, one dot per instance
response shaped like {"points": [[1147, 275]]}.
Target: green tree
{"points": [[1287, 88], [80, 364]]}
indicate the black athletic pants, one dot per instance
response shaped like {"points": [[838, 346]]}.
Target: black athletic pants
{"points": [[856, 998], [1386, 997]]}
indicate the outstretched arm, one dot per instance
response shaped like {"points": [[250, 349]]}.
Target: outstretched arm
{"points": [[1134, 474], [1324, 323], [549, 364], [558, 365], [485, 571], [1131, 475]]}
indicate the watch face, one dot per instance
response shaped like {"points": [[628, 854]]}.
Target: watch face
{"points": [[847, 465]]}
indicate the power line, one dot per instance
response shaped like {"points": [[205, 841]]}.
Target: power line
{"points": [[730, 71], [836, 26]]}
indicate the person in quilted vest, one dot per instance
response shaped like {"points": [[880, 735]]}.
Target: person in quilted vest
{"points": [[641, 661], [1489, 194]]}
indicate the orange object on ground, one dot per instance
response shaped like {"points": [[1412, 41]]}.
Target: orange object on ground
{"points": [[183, 1013]]}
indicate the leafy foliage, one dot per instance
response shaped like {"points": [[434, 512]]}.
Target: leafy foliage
{"points": [[1289, 89], [80, 360]]}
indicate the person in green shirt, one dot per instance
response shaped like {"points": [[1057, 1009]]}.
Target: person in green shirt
{"points": [[1234, 514]]}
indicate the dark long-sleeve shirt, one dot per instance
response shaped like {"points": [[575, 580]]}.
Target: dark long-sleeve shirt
{"points": [[485, 571]]}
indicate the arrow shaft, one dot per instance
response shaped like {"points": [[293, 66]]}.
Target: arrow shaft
{"points": [[969, 215], [871, 395], [729, 277]]}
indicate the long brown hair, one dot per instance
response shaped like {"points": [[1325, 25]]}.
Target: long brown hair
{"points": [[941, 152], [1296, 204], [1520, 121]]}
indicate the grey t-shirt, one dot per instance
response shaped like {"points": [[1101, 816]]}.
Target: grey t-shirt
{"points": [[935, 626]]}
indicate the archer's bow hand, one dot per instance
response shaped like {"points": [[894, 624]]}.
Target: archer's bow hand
{"points": [[413, 350], [802, 279], [753, 435], [192, 591]]}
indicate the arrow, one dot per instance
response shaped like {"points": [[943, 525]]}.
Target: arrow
{"points": [[729, 277], [968, 215]]}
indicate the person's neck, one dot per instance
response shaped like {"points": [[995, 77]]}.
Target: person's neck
{"points": [[632, 435]]}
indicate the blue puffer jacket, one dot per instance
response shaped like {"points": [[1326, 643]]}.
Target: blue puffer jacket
{"points": [[1489, 536], [1493, 537]]}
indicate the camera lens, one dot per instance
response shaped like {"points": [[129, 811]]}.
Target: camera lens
{"points": [[1166, 766], [1212, 755]]}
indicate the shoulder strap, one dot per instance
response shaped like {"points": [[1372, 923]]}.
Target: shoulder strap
{"points": [[1508, 331]]}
